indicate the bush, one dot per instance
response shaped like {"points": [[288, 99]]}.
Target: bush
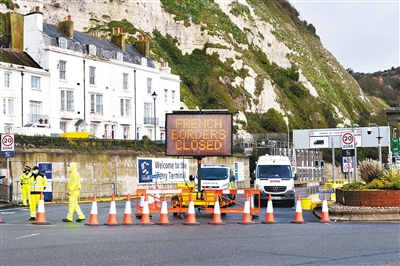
{"points": [[375, 184], [369, 170], [389, 177], [396, 184], [354, 186]]}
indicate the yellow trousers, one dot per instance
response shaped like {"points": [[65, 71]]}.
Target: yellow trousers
{"points": [[73, 206], [33, 203], [25, 194]]}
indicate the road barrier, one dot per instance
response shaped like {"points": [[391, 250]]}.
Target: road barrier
{"points": [[225, 196]]}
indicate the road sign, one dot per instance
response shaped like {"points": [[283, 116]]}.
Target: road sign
{"points": [[347, 165], [347, 141], [395, 146], [7, 146], [348, 153]]}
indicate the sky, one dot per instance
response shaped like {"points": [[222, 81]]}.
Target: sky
{"points": [[363, 35]]}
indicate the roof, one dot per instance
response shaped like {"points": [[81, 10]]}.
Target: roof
{"points": [[8, 55], [104, 47]]}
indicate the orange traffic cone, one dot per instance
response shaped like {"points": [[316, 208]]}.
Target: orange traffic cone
{"points": [[269, 215], [141, 203], [112, 216], [145, 220], [157, 200], [246, 218], [298, 218], [164, 213], [151, 201], [325, 212], [128, 212], [191, 217], [216, 220], [41, 215], [1, 221], [94, 217]]}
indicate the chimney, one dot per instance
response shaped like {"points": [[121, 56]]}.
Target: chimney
{"points": [[142, 45], [67, 27], [118, 38], [14, 30], [34, 20]]}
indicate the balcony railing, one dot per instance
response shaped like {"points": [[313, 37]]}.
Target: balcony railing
{"points": [[150, 120], [38, 118]]}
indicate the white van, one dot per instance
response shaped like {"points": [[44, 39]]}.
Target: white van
{"points": [[216, 176], [273, 175]]}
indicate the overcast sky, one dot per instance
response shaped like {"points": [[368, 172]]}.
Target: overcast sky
{"points": [[363, 35]]}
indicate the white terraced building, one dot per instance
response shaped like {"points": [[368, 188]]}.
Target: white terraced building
{"points": [[80, 82]]}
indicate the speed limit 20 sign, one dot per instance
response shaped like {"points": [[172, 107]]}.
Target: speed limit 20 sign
{"points": [[7, 146], [347, 141]]}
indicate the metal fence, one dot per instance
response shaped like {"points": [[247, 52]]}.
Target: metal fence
{"points": [[57, 191], [5, 192]]}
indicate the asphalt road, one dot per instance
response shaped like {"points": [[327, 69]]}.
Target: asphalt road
{"points": [[284, 243]]}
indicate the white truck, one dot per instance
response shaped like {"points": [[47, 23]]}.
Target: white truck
{"points": [[273, 175], [33, 129]]}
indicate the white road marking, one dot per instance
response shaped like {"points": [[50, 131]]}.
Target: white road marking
{"points": [[26, 236]]}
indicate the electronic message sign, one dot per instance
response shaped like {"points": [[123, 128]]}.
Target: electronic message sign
{"points": [[199, 134]]}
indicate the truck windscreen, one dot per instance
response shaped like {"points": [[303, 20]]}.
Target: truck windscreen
{"points": [[214, 173], [274, 171]]}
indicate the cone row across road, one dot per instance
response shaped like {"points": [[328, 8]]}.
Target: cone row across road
{"points": [[145, 217]]}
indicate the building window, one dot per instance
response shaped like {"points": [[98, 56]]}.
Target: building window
{"points": [[92, 75], [63, 126], [125, 107], [67, 100], [92, 49], [172, 97], [148, 113], [7, 80], [126, 132], [62, 43], [62, 67], [7, 129], [165, 96], [149, 86], [35, 82], [120, 57], [93, 129], [96, 103], [35, 111], [8, 106], [125, 81]]}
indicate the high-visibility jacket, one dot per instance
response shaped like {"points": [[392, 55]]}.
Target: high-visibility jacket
{"points": [[38, 183], [74, 182], [24, 178]]}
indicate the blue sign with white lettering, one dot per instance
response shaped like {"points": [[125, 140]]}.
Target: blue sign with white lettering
{"points": [[145, 170]]}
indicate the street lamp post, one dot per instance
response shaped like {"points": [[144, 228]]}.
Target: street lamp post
{"points": [[379, 142], [355, 153], [154, 95]]}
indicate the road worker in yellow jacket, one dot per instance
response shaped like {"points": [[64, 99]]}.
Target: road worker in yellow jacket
{"points": [[74, 188], [25, 186], [38, 183]]}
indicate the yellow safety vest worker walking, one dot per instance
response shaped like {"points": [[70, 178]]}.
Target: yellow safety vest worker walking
{"points": [[74, 189], [38, 183], [25, 186]]}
